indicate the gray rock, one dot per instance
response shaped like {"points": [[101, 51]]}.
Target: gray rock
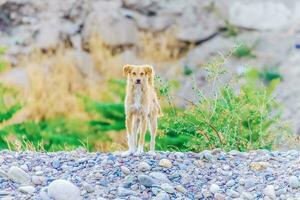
{"points": [[269, 191], [165, 163], [232, 193], [219, 196], [144, 166], [294, 182], [161, 196], [214, 188], [168, 188], [161, 177], [27, 189], [261, 15], [18, 175], [125, 170], [38, 180], [123, 192], [181, 189], [146, 180], [206, 155], [63, 190], [88, 187]]}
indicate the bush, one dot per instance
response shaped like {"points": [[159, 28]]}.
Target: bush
{"points": [[241, 119]]}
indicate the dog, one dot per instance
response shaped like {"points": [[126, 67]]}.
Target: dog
{"points": [[141, 107]]}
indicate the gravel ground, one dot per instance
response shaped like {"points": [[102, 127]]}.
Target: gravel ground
{"points": [[213, 174]]}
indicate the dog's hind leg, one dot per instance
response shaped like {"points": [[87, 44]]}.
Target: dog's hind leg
{"points": [[153, 128], [143, 129]]}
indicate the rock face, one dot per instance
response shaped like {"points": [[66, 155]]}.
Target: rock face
{"points": [[99, 176], [265, 15]]}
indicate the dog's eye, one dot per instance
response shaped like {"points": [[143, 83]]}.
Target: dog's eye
{"points": [[142, 74], [134, 73]]}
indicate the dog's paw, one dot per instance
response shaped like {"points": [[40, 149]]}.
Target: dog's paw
{"points": [[139, 151]]}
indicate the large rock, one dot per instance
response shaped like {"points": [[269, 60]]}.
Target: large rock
{"points": [[197, 24], [18, 175], [113, 28], [261, 15], [63, 190]]}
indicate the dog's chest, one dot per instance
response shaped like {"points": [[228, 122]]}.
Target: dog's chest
{"points": [[137, 96]]}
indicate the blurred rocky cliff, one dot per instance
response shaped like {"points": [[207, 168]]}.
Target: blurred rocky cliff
{"points": [[170, 34]]}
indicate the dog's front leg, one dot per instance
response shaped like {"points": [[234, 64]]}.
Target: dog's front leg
{"points": [[136, 125], [142, 135], [130, 138]]}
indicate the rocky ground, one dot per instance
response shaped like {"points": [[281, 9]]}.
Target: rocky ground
{"points": [[213, 174]]}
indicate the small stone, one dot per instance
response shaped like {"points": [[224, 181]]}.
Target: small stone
{"points": [[232, 193], [162, 196], [27, 189], [146, 180], [18, 175], [294, 182], [88, 187], [125, 170], [247, 195], [165, 163], [128, 181], [37, 180], [219, 196], [3, 174], [250, 182], [257, 166], [214, 188], [168, 188], [230, 183], [206, 155], [144, 166], [122, 192], [160, 177], [205, 193], [199, 163], [63, 190], [56, 164], [181, 189], [270, 191]]}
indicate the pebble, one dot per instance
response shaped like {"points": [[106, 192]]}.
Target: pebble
{"points": [[269, 191], [27, 189], [206, 155], [168, 188], [146, 180], [125, 170], [37, 180], [294, 182], [160, 177], [165, 163], [18, 175], [181, 189], [63, 190], [162, 196], [144, 166], [257, 166], [219, 196], [214, 188]]}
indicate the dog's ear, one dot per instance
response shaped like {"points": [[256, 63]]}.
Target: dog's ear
{"points": [[127, 69], [150, 73]]}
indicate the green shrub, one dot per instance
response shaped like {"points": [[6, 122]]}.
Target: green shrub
{"points": [[241, 119], [268, 74]]}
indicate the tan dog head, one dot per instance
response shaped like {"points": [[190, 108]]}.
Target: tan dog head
{"points": [[139, 74]]}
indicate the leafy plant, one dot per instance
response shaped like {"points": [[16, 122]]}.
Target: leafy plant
{"points": [[232, 118], [244, 50], [268, 74]]}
